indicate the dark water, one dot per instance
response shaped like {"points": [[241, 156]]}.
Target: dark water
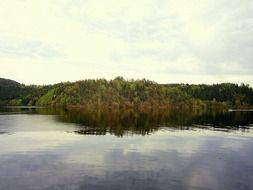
{"points": [[92, 149]]}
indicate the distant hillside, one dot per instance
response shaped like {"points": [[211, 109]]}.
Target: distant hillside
{"points": [[120, 93], [232, 94], [8, 82], [9, 89]]}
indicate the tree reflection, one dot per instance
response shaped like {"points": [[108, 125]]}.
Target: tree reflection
{"points": [[145, 122], [122, 122]]}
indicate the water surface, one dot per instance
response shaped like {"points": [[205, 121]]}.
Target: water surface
{"points": [[94, 149]]}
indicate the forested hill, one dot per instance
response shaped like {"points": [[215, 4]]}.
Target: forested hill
{"points": [[9, 89], [120, 93]]}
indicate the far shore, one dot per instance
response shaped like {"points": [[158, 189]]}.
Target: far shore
{"points": [[80, 107]]}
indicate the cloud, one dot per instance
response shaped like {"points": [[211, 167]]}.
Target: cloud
{"points": [[166, 41], [31, 49]]}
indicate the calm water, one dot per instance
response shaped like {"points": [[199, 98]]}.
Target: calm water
{"points": [[46, 149]]}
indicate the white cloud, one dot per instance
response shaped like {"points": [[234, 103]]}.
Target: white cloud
{"points": [[191, 41]]}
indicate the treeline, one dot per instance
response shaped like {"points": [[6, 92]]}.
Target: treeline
{"points": [[232, 94], [121, 93]]}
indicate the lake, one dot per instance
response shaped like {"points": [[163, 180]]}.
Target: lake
{"points": [[43, 149]]}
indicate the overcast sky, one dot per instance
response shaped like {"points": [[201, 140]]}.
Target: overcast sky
{"points": [[168, 41]]}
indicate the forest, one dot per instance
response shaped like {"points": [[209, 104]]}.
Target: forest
{"points": [[121, 93]]}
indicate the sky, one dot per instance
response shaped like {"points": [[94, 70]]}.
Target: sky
{"points": [[167, 41]]}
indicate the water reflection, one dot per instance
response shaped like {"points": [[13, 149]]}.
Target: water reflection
{"points": [[182, 151], [127, 122], [144, 122]]}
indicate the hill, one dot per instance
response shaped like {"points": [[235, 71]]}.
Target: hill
{"points": [[9, 89], [120, 93]]}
